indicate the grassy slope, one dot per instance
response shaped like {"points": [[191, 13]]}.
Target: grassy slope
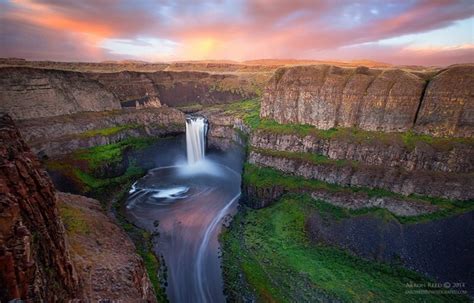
{"points": [[108, 131], [262, 177], [79, 166], [270, 249]]}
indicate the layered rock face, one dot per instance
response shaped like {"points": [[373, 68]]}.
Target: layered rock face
{"points": [[371, 99], [174, 88], [451, 157], [34, 256], [451, 186], [448, 104], [64, 134], [27, 93]]}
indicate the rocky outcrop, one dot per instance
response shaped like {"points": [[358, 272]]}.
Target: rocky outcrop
{"points": [[447, 108], [63, 134], [31, 93], [444, 157], [451, 186], [35, 264], [103, 254], [371, 99]]}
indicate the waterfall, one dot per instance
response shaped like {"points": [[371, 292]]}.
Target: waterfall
{"points": [[196, 131]]}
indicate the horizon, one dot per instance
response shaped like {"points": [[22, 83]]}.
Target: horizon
{"points": [[415, 32]]}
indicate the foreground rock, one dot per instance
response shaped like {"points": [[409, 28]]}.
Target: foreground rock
{"points": [[103, 254], [34, 258], [38, 263]]}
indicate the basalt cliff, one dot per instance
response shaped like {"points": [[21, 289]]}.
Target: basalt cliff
{"points": [[27, 93], [40, 259], [389, 100]]}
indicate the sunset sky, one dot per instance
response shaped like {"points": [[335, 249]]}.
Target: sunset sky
{"points": [[428, 32]]}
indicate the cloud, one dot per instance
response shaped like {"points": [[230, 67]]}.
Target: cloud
{"points": [[240, 29]]}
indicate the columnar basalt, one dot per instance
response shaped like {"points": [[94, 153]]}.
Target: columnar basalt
{"points": [[390, 100], [447, 108]]}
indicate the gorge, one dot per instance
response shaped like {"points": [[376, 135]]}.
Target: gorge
{"points": [[208, 182]]}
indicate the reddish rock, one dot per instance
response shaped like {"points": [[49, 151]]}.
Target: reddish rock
{"points": [[34, 260]]}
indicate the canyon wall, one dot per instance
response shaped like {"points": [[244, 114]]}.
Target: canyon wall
{"points": [[27, 93], [390, 100], [34, 257], [63, 134], [177, 88]]}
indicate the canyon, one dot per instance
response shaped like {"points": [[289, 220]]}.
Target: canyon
{"points": [[321, 140]]}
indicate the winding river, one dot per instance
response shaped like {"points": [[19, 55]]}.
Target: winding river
{"points": [[186, 203]]}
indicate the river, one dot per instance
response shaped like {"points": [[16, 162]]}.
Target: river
{"points": [[186, 203]]}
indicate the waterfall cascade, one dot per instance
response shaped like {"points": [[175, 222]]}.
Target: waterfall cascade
{"points": [[196, 132]]}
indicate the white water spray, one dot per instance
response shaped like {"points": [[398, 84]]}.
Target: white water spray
{"points": [[196, 131]]}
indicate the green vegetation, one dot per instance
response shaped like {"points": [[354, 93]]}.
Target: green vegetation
{"points": [[263, 177], [84, 166], [409, 139], [110, 153], [249, 111], [307, 157], [73, 219], [108, 131], [94, 184], [266, 254]]}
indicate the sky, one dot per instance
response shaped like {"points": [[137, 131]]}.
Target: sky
{"points": [[414, 32]]}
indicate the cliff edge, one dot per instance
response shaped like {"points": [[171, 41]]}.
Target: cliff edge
{"points": [[389, 100]]}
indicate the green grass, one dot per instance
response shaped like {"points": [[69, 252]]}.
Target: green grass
{"points": [[108, 131], [249, 112], [73, 219], [408, 139], [270, 249], [111, 153], [92, 183], [264, 177], [307, 157]]}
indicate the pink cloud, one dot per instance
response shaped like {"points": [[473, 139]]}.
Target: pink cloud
{"points": [[230, 30]]}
